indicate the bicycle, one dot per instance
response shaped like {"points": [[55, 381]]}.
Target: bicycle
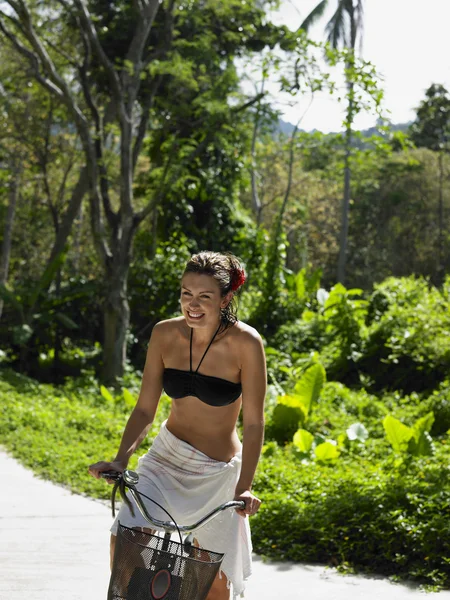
{"points": [[150, 567]]}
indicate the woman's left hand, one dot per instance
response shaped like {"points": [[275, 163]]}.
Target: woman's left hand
{"points": [[252, 503]]}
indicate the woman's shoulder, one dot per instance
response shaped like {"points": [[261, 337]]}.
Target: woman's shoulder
{"points": [[246, 334], [168, 327], [249, 347]]}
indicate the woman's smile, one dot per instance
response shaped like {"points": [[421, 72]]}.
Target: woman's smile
{"points": [[195, 315]]}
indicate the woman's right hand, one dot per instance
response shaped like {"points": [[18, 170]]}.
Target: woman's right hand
{"points": [[101, 466]]}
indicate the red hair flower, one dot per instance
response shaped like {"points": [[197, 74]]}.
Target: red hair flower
{"points": [[237, 279]]}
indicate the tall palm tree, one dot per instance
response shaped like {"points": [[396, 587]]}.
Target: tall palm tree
{"points": [[343, 30], [345, 26]]}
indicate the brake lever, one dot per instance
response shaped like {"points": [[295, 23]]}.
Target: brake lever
{"points": [[121, 485]]}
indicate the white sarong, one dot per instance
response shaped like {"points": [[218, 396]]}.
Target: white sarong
{"points": [[189, 484]]}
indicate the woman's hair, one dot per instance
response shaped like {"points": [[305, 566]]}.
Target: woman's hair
{"points": [[227, 271]]}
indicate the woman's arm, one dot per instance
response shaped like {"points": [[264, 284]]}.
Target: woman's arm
{"points": [[254, 383], [144, 412]]}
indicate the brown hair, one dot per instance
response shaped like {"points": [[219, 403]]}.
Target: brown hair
{"points": [[227, 271]]}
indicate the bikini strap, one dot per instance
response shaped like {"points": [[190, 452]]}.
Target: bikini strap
{"points": [[204, 354]]}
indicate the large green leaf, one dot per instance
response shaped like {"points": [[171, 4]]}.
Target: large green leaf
{"points": [[424, 446], [421, 443], [423, 424], [326, 451], [106, 394], [303, 440], [397, 433], [300, 284], [295, 402], [308, 388], [337, 293], [130, 400], [284, 421]]}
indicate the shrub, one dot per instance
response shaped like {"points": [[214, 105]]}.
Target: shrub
{"points": [[439, 403], [357, 515], [408, 346]]}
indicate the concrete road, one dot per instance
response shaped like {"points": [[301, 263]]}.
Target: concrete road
{"points": [[54, 545]]}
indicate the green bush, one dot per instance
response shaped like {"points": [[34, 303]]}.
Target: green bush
{"points": [[340, 487], [408, 346], [357, 515], [439, 403], [58, 432], [302, 335], [397, 339]]}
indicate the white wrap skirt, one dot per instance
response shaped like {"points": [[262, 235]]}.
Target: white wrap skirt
{"points": [[189, 484]]}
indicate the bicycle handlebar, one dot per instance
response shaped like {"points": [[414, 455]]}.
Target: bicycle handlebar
{"points": [[129, 479]]}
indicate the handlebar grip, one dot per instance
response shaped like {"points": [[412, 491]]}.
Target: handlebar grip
{"points": [[114, 475]]}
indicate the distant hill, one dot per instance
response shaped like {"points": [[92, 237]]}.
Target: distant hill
{"points": [[287, 128], [284, 127]]}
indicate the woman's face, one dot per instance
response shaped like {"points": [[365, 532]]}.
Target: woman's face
{"points": [[201, 300]]}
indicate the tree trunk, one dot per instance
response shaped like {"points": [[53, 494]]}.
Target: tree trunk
{"points": [[440, 253], [116, 320], [72, 211], [17, 168], [154, 233], [342, 262], [274, 262], [256, 202], [58, 376], [116, 316], [345, 212]]}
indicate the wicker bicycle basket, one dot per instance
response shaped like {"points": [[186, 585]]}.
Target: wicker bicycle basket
{"points": [[148, 567]]}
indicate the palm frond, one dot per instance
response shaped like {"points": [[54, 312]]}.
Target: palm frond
{"points": [[314, 15], [336, 27], [359, 10]]}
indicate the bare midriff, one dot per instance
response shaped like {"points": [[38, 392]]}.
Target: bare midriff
{"points": [[210, 429]]}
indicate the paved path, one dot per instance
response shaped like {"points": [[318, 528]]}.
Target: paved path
{"points": [[54, 546]]}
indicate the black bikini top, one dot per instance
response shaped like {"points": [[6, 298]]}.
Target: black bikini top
{"points": [[214, 391]]}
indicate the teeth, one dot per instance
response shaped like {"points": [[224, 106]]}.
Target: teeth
{"points": [[196, 315]]}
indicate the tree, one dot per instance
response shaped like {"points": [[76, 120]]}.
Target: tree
{"points": [[344, 29], [43, 156], [110, 85], [431, 129]]}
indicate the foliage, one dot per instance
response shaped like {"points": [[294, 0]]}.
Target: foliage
{"points": [[293, 410], [407, 345], [431, 127], [395, 339], [393, 229], [359, 505], [364, 512], [357, 514], [35, 319], [58, 432], [439, 403], [414, 440]]}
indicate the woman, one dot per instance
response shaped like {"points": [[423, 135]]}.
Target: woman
{"points": [[210, 364]]}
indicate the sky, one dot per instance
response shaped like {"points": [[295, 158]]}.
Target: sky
{"points": [[408, 42]]}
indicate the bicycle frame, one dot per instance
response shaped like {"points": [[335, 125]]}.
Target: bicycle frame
{"points": [[130, 479]]}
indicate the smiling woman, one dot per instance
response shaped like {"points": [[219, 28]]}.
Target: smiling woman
{"points": [[211, 365]]}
